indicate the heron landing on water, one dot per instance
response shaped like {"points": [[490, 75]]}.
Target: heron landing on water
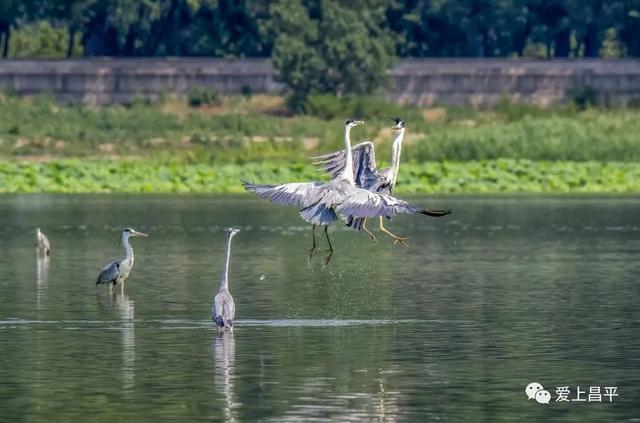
{"points": [[366, 174], [42, 242], [223, 309], [117, 272], [324, 203]]}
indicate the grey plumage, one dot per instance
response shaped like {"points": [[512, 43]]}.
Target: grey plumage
{"points": [[223, 309], [109, 273], [117, 271], [365, 172], [322, 203], [367, 176], [42, 242]]}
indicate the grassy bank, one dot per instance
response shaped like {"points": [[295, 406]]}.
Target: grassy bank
{"points": [[490, 176], [247, 129], [173, 146]]}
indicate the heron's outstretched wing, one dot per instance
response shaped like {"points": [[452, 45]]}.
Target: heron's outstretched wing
{"points": [[294, 194], [363, 203], [365, 173], [223, 310], [109, 273]]}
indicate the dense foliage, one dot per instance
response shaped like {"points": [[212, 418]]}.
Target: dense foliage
{"points": [[337, 47], [421, 28], [491, 176]]}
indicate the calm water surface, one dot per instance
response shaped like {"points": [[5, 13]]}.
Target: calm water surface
{"points": [[504, 292]]}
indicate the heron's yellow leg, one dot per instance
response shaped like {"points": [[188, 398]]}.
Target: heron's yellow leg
{"points": [[372, 237], [396, 238]]}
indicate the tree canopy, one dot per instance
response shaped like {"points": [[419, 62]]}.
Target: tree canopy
{"points": [[245, 28], [337, 47]]}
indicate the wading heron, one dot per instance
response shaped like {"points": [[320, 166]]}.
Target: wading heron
{"points": [[117, 272], [321, 203], [366, 174], [42, 242], [223, 309]]}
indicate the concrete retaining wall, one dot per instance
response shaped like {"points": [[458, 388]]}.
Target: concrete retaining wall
{"points": [[420, 81]]}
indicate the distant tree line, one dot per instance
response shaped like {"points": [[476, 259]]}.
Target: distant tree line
{"points": [[250, 28]]}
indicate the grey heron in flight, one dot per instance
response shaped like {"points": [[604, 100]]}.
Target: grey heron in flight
{"points": [[117, 272], [42, 242], [321, 203], [223, 309], [367, 175]]}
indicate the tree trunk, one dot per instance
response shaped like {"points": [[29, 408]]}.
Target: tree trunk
{"points": [[591, 41], [547, 46], [521, 38], [7, 38], [487, 51], [72, 39], [563, 43]]}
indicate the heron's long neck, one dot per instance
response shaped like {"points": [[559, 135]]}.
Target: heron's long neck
{"points": [[347, 173], [395, 156], [127, 247], [225, 272]]}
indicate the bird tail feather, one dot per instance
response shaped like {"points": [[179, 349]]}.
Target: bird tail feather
{"points": [[435, 213]]}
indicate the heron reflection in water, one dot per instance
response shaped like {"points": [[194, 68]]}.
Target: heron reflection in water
{"points": [[224, 355], [42, 276], [125, 308]]}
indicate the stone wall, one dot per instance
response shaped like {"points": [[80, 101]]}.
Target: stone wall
{"points": [[418, 81]]}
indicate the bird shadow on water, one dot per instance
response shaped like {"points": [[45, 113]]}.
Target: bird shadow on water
{"points": [[224, 358]]}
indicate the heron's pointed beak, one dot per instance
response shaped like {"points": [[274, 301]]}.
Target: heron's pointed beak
{"points": [[358, 122], [396, 128], [136, 233]]}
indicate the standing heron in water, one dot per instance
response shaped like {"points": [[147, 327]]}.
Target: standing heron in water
{"points": [[42, 242], [321, 203], [117, 272], [366, 174], [223, 309]]}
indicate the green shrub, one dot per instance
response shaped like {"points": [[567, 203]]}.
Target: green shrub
{"points": [[201, 96], [584, 96], [246, 91]]}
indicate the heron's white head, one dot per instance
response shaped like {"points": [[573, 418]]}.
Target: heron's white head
{"points": [[353, 123], [399, 126], [232, 232], [132, 232]]}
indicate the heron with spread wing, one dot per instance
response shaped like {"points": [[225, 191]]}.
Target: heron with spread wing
{"points": [[117, 272], [322, 203], [223, 309], [366, 174]]}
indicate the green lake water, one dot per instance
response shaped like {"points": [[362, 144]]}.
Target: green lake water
{"points": [[503, 292]]}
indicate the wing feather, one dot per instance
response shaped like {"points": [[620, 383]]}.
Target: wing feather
{"points": [[223, 310], [363, 203], [293, 194], [365, 172], [109, 273]]}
